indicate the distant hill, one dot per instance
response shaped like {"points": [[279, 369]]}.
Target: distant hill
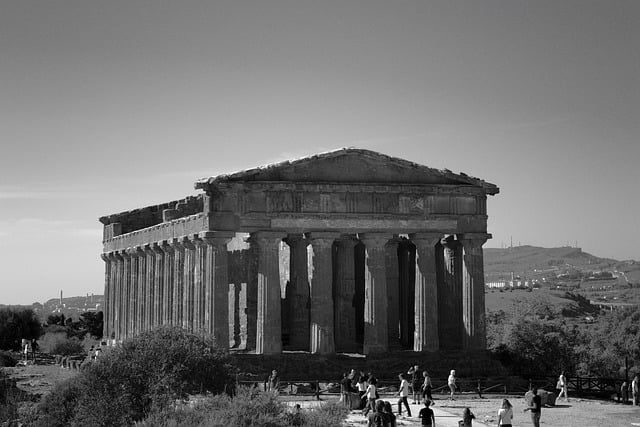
{"points": [[533, 261]]}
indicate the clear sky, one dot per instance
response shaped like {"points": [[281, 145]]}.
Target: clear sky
{"points": [[107, 106]]}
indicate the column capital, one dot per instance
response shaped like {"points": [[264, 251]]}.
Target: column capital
{"points": [[425, 238], [213, 238], [157, 246], [322, 238], [135, 251], [474, 239], [375, 239], [187, 242], [106, 257]]}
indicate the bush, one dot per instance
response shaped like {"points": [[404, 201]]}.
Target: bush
{"points": [[249, 407], [145, 374], [7, 359], [67, 347]]}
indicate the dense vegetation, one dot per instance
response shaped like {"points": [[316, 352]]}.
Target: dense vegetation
{"points": [[16, 324], [536, 339], [145, 375]]}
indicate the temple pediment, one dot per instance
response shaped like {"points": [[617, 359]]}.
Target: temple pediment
{"points": [[350, 165]]}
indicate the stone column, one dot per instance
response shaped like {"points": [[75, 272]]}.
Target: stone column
{"points": [[187, 296], [200, 254], [345, 289], [178, 282], [216, 286], [268, 325], [393, 257], [167, 276], [320, 268], [299, 285], [450, 295], [142, 291], [375, 298], [108, 286], [473, 291], [123, 290], [131, 294], [249, 304], [426, 292], [118, 305], [149, 285], [158, 284]]}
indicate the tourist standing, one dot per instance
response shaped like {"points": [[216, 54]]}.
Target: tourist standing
{"points": [[273, 382], [414, 371], [426, 387], [635, 390], [505, 414], [345, 390], [426, 415], [535, 406], [562, 386], [372, 394], [467, 418], [404, 393], [451, 382], [362, 390]]}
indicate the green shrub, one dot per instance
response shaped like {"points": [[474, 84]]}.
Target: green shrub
{"points": [[7, 359], [248, 408], [67, 347], [145, 374]]}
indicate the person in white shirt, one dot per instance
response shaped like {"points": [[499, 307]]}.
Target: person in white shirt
{"points": [[505, 414], [451, 382], [404, 393]]}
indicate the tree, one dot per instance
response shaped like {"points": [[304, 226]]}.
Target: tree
{"points": [[16, 324], [146, 373]]}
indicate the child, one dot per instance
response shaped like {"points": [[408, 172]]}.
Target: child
{"points": [[426, 415]]}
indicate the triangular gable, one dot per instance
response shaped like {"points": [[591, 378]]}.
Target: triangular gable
{"points": [[350, 165]]}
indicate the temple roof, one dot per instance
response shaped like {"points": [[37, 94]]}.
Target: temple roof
{"points": [[350, 165]]}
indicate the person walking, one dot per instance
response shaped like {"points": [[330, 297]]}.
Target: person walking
{"points": [[426, 415], [451, 382], [426, 387], [535, 406], [505, 414], [562, 386], [404, 394], [371, 394], [635, 390]]}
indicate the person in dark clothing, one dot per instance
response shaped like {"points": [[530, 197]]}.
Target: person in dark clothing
{"points": [[426, 415], [535, 408]]}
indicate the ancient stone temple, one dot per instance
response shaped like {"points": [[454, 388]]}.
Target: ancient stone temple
{"points": [[345, 251]]}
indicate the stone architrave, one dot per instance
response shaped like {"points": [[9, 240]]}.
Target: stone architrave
{"points": [[426, 292], [299, 283], [158, 282], [268, 325], [178, 282], [167, 277], [375, 293], [320, 270], [216, 285], [344, 294], [187, 296], [473, 290]]}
